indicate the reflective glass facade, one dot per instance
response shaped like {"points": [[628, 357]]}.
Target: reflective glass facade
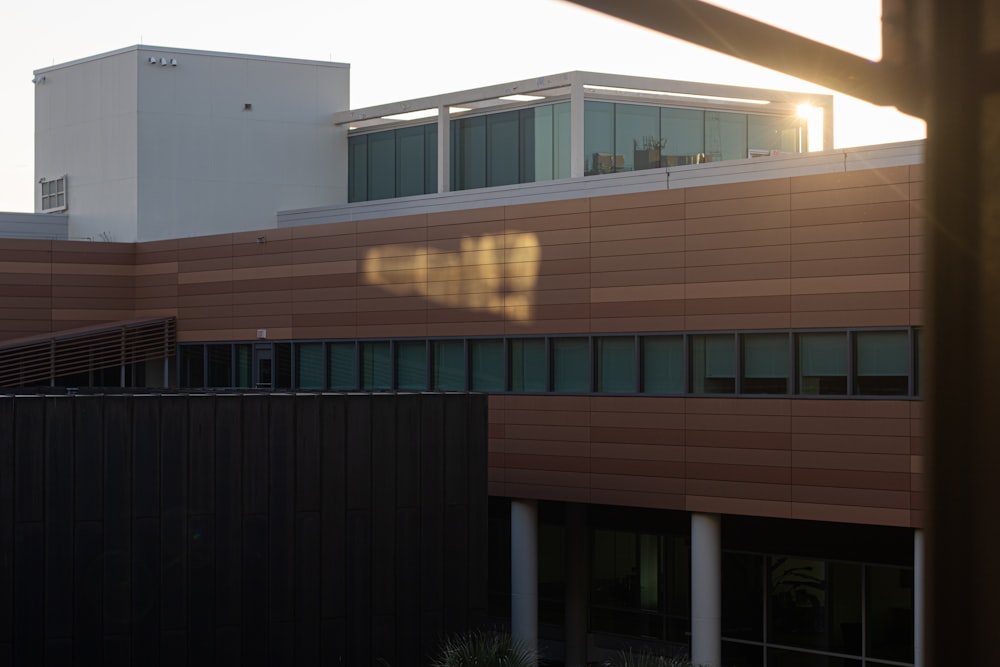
{"points": [[532, 144]]}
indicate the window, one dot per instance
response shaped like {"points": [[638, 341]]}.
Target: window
{"points": [[663, 364], [882, 363], [192, 363], [599, 138], [765, 363], [449, 365], [637, 136], [527, 365], [487, 365], [571, 365], [713, 364], [822, 363], [220, 365], [616, 364], [376, 366], [725, 135], [411, 365], [309, 366], [683, 132], [342, 365], [54, 195]]}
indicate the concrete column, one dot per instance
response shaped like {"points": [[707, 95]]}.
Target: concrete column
{"points": [[444, 149], [577, 584], [576, 116], [524, 572], [706, 590], [918, 598]]}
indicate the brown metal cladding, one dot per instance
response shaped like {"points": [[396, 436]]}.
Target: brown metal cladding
{"points": [[833, 250]]}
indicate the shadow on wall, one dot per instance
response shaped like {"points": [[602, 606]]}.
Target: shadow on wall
{"points": [[494, 272]]}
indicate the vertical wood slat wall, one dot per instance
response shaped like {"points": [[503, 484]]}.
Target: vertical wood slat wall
{"points": [[229, 529]]}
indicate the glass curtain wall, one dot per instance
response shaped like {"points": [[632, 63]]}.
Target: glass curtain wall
{"points": [[392, 163]]}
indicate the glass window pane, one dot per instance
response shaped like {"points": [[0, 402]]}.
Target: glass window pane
{"points": [[560, 140], [220, 365], [430, 158], [571, 364], [742, 596], [527, 365], [772, 133], [381, 165], [192, 365], [469, 153], [663, 364], [882, 363], [244, 366], [815, 604], [410, 161], [683, 132], [742, 655], [309, 366], [538, 144], [713, 364], [376, 366], [411, 365], [637, 136], [449, 365], [357, 168], [725, 136], [616, 364], [487, 365], [765, 364], [599, 138], [343, 366], [889, 631], [918, 352], [501, 148], [822, 363], [282, 365]]}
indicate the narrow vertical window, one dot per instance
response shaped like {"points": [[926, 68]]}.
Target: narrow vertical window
{"points": [[357, 168], [376, 367], [411, 365], [449, 365], [343, 366], [527, 365], [765, 364], [616, 364], [309, 366], [663, 364], [713, 364], [220, 365], [822, 363], [487, 365], [571, 365]]}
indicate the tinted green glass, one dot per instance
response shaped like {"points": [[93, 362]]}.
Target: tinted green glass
{"points": [[501, 148], [599, 138], [882, 363], [683, 133], [411, 365], [449, 365], [382, 165], [571, 365], [663, 364], [410, 161], [487, 365], [244, 366], [616, 364], [765, 364], [376, 366], [430, 158], [637, 136], [561, 140], [468, 153], [772, 133], [343, 366], [713, 364], [357, 168], [309, 366], [725, 135], [527, 365], [822, 363]]}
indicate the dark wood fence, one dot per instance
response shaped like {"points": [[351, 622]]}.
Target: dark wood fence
{"points": [[309, 529]]}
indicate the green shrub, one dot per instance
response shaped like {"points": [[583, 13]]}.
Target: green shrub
{"points": [[485, 648]]}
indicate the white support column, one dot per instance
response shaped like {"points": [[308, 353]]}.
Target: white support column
{"points": [[524, 572], [577, 584], [706, 590], [577, 159], [444, 149], [918, 598]]}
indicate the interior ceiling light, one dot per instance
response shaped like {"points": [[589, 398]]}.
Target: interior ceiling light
{"points": [[660, 93]]}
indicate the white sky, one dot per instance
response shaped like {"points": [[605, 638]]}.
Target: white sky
{"points": [[401, 49]]}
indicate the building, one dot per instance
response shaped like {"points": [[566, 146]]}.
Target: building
{"points": [[700, 341]]}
